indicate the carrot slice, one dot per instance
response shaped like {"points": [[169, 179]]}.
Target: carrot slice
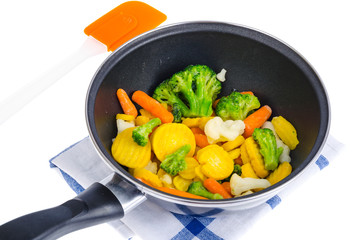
{"points": [[196, 130], [247, 92], [227, 187], [201, 140], [200, 137]]}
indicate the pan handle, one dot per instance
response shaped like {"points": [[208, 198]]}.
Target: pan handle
{"points": [[95, 205]]}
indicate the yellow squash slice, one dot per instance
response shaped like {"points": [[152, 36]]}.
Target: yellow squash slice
{"points": [[169, 137]]}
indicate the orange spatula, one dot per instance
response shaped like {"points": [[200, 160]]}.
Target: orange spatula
{"points": [[107, 33]]}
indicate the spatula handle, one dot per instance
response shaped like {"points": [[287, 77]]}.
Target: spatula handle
{"points": [[20, 98]]}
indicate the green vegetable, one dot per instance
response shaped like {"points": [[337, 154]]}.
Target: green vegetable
{"points": [[268, 147], [194, 90], [198, 189], [175, 162], [140, 134], [176, 112], [236, 106], [237, 170]]}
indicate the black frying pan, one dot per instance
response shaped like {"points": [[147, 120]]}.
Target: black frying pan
{"points": [[254, 61]]}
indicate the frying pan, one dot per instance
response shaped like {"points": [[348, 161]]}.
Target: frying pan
{"points": [[256, 61]]}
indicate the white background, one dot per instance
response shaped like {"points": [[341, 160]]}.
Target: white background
{"points": [[37, 34]]}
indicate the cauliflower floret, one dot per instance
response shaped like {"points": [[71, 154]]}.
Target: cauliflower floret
{"points": [[246, 193], [239, 185], [123, 125], [165, 178], [221, 75], [284, 157], [152, 167], [217, 130]]}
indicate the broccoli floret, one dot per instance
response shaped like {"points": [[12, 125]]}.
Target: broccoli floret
{"points": [[198, 189], [194, 89], [268, 147], [237, 170], [140, 133], [236, 106], [175, 162], [176, 112]]}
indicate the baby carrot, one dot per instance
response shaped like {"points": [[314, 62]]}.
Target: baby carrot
{"points": [[256, 120], [153, 106], [214, 187], [172, 190], [126, 103], [179, 193]]}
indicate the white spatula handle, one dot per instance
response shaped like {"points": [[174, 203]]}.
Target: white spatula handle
{"points": [[20, 98]]}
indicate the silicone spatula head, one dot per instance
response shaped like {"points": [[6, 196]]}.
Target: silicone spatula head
{"points": [[123, 23]]}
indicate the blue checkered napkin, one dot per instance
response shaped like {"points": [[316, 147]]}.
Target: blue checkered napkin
{"points": [[80, 166]]}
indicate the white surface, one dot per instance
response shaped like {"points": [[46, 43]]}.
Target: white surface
{"points": [[38, 34]]}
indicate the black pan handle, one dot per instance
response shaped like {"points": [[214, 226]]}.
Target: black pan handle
{"points": [[95, 205]]}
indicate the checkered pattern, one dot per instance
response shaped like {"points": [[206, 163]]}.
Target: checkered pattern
{"points": [[188, 226], [194, 227], [322, 162]]}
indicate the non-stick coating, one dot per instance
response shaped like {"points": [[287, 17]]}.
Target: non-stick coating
{"points": [[254, 61]]}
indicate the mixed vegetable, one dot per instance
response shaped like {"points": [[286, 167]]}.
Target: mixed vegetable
{"points": [[186, 142]]}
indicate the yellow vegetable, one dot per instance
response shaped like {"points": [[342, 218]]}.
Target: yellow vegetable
{"points": [[146, 113], [283, 170], [196, 122], [128, 153], [125, 117], [234, 154], [191, 122], [165, 105], [169, 137], [215, 162], [148, 176], [256, 159], [181, 183], [140, 120], [199, 174], [189, 172], [230, 145], [203, 122], [247, 171], [244, 154], [285, 131]]}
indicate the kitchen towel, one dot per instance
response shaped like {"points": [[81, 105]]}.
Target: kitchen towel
{"points": [[80, 166]]}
